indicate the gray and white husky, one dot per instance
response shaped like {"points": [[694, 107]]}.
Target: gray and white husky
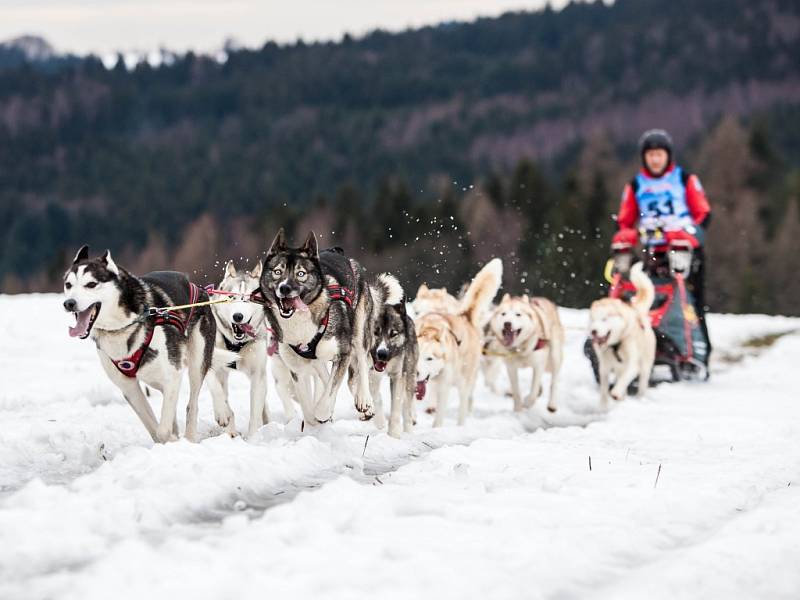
{"points": [[394, 351], [241, 329], [318, 305], [112, 307]]}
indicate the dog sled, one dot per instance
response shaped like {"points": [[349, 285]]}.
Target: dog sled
{"points": [[682, 348]]}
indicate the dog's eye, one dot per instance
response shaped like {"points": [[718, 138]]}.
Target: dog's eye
{"points": [[91, 285], [392, 333], [503, 314], [429, 358], [517, 314], [277, 272], [68, 285], [301, 274]]}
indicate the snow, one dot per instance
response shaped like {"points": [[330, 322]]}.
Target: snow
{"points": [[505, 507]]}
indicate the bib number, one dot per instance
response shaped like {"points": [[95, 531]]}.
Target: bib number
{"points": [[656, 209]]}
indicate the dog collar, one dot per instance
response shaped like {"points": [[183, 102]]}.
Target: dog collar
{"points": [[234, 346]]}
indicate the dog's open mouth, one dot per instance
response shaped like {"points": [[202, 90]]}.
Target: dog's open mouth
{"points": [[510, 335], [84, 321], [288, 304], [379, 365], [241, 330], [422, 387], [238, 332], [600, 340]]}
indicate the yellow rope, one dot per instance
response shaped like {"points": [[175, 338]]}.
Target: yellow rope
{"points": [[182, 306]]}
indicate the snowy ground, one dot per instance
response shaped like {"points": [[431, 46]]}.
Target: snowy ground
{"points": [[505, 507]]}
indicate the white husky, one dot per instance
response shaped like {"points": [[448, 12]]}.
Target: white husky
{"points": [[623, 338], [450, 344], [241, 328], [528, 333]]}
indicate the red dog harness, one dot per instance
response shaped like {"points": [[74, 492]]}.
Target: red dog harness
{"points": [[339, 292], [335, 292], [129, 366]]}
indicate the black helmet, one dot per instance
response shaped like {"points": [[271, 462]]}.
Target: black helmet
{"points": [[655, 138]]}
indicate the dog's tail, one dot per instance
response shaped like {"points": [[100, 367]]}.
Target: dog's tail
{"points": [[645, 292], [481, 291], [387, 290]]}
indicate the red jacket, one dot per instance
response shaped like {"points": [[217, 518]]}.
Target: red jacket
{"points": [[695, 198]]}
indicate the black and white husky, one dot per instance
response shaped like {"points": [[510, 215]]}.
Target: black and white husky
{"points": [[394, 351], [113, 307], [319, 307], [241, 329]]}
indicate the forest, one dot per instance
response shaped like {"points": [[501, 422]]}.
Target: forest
{"points": [[423, 152]]}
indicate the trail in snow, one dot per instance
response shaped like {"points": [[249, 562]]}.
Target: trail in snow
{"points": [[503, 507]]}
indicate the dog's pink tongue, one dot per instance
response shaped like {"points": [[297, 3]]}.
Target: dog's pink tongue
{"points": [[248, 329], [508, 336], [273, 346], [299, 304], [422, 387], [81, 327]]}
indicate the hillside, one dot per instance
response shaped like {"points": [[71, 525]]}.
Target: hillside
{"points": [[134, 159]]}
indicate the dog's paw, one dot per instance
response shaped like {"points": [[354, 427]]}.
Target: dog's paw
{"points": [[164, 434], [430, 410], [322, 415], [364, 407], [616, 395], [368, 416], [224, 416]]}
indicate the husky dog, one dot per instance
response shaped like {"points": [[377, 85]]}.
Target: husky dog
{"points": [[111, 305], [623, 338], [430, 300], [528, 333], [439, 300], [241, 329], [320, 309], [450, 345], [393, 351]]}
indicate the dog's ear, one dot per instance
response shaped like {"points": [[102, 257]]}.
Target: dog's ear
{"points": [[422, 289], [110, 264], [526, 299], [278, 244], [230, 269], [506, 297], [310, 246], [256, 272], [83, 254], [401, 307]]}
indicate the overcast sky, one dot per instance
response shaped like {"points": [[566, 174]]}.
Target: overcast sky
{"points": [[103, 26]]}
